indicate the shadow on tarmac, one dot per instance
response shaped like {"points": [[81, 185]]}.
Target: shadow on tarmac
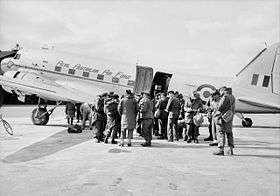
{"points": [[48, 146], [259, 156]]}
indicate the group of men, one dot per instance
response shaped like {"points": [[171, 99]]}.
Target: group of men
{"points": [[168, 116]]}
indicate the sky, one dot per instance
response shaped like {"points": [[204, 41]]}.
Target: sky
{"points": [[214, 37]]}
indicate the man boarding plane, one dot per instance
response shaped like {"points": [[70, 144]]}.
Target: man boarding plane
{"points": [[57, 76]]}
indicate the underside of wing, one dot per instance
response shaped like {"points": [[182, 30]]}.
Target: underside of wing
{"points": [[258, 103], [32, 84]]}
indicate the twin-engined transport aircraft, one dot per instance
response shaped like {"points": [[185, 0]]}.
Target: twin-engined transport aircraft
{"points": [[58, 77]]}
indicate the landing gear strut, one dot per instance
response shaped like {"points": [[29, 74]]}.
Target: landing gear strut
{"points": [[246, 122]]}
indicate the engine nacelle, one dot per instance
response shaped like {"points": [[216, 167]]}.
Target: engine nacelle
{"points": [[10, 74], [205, 91]]}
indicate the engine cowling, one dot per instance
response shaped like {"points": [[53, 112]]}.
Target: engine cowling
{"points": [[205, 91], [10, 74]]}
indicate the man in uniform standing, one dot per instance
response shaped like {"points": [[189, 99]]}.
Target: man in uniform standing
{"points": [[99, 118], [146, 116], [128, 109], [162, 121], [173, 107], [224, 124], [193, 107], [111, 109]]}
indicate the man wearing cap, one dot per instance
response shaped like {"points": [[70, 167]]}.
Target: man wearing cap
{"points": [[128, 109], [99, 118], [111, 110], [162, 121], [146, 115], [173, 107], [226, 104], [192, 108], [211, 111]]}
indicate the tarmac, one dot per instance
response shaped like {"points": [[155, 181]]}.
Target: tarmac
{"points": [[46, 160]]}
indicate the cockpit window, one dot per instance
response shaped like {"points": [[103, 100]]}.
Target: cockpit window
{"points": [[17, 56], [266, 81], [255, 79]]}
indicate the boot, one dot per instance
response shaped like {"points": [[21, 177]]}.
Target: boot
{"points": [[145, 144], [220, 152], [106, 140], [208, 139], [114, 142], [189, 140], [230, 151]]}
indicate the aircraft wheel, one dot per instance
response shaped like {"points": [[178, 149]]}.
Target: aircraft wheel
{"points": [[247, 122], [36, 113]]}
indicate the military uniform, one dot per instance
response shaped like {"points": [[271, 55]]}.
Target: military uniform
{"points": [[128, 109], [162, 121], [85, 110], [146, 116], [99, 119], [224, 128], [193, 106], [111, 110], [173, 107], [70, 110]]}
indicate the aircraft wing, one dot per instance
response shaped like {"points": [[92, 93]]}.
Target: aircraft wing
{"points": [[258, 103], [44, 88]]}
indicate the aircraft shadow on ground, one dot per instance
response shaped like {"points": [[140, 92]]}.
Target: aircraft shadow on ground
{"points": [[260, 156], [52, 144]]}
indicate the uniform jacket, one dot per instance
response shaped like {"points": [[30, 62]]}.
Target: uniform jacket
{"points": [[98, 109], [70, 109], [161, 105], [146, 108], [128, 109], [173, 107], [191, 107]]}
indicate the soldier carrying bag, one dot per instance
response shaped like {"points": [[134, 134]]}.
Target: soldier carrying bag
{"points": [[227, 116]]}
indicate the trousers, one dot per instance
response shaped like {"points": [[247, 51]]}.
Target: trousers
{"points": [[147, 128], [172, 128]]}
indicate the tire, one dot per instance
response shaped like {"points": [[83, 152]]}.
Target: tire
{"points": [[247, 122], [38, 112], [8, 127]]}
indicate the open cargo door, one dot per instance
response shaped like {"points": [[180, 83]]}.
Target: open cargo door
{"points": [[144, 79]]}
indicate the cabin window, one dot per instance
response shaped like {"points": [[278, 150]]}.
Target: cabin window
{"points": [[115, 80], [58, 69], [86, 74], [100, 77], [71, 71], [255, 79], [266, 81]]}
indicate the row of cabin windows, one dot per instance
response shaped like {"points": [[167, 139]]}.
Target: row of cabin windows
{"points": [[255, 79], [99, 76]]}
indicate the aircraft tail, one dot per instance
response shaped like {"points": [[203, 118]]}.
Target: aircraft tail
{"points": [[262, 74]]}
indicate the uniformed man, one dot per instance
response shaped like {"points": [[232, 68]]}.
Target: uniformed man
{"points": [[173, 107], [70, 110], [128, 109], [226, 104], [212, 110], [162, 121], [194, 106], [146, 115], [99, 118], [85, 110], [111, 110]]}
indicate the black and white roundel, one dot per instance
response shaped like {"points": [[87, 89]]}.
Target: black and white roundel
{"points": [[205, 91]]}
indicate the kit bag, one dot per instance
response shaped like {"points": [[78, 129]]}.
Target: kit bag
{"points": [[227, 117], [74, 129], [198, 119]]}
